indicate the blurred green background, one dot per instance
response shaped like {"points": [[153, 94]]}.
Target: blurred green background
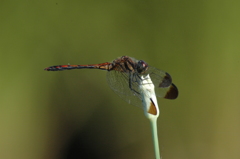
{"points": [[74, 114]]}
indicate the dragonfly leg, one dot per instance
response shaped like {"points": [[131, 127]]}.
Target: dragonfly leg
{"points": [[131, 79]]}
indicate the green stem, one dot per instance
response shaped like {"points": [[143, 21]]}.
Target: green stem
{"points": [[155, 137]]}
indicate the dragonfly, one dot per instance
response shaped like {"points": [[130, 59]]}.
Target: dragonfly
{"points": [[124, 77]]}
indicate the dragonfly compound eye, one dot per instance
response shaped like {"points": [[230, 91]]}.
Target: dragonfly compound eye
{"points": [[142, 66]]}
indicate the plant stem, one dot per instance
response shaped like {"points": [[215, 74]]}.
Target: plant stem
{"points": [[153, 122]]}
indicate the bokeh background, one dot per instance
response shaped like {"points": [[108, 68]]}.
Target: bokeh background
{"points": [[75, 115]]}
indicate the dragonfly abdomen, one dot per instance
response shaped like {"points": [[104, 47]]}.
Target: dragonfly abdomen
{"points": [[102, 66], [67, 67]]}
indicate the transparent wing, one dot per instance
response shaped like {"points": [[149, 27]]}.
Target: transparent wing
{"points": [[119, 83], [162, 81]]}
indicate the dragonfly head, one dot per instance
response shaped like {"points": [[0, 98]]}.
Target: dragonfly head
{"points": [[142, 66]]}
